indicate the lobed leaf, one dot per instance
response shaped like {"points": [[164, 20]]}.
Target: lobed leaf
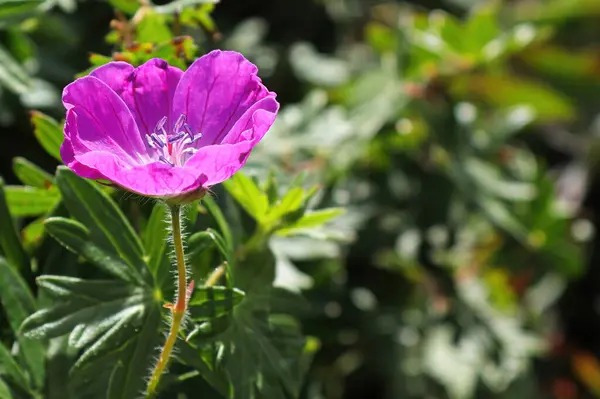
{"points": [[211, 302], [76, 237], [107, 225]]}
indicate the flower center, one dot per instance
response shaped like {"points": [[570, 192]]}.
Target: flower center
{"points": [[175, 147]]}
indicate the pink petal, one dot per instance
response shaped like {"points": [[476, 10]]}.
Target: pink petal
{"points": [[98, 120], [215, 91], [68, 156], [254, 123], [221, 161], [147, 90], [155, 179]]}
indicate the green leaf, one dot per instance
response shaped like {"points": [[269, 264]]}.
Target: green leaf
{"points": [[153, 28], [10, 244], [311, 219], [24, 201], [263, 353], [211, 302], [220, 244], [194, 357], [48, 132], [127, 6], [5, 390], [18, 303], [31, 175], [33, 233], [216, 213], [12, 75], [198, 243], [481, 28], [17, 300], [381, 38], [248, 195], [291, 201], [87, 290], [271, 188], [129, 377], [12, 371], [98, 320], [156, 242], [107, 225], [12, 8], [76, 237], [177, 5], [508, 91]]}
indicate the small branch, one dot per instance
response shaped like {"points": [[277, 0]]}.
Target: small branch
{"points": [[215, 276]]}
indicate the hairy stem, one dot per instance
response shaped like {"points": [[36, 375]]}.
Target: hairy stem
{"points": [[177, 310]]}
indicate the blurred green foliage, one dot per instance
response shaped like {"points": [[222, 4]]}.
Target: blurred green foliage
{"points": [[419, 223]]}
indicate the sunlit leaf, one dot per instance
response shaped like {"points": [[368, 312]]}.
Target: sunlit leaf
{"points": [[30, 201], [48, 133], [248, 194], [31, 175], [10, 245]]}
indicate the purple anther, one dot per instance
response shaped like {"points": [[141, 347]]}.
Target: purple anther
{"points": [[175, 137]]}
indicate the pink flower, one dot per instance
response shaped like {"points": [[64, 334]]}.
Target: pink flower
{"points": [[158, 131]]}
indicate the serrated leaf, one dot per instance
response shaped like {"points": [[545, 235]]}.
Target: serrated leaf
{"points": [[65, 316], [10, 245], [91, 290], [31, 175], [11, 370], [130, 380], [107, 225], [18, 303], [48, 133], [156, 243], [76, 237], [311, 219], [265, 354], [211, 302], [99, 322], [248, 195], [24, 201]]}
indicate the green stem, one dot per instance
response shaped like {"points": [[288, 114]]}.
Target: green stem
{"points": [[177, 310]]}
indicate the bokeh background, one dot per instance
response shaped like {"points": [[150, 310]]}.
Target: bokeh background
{"points": [[461, 136]]}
